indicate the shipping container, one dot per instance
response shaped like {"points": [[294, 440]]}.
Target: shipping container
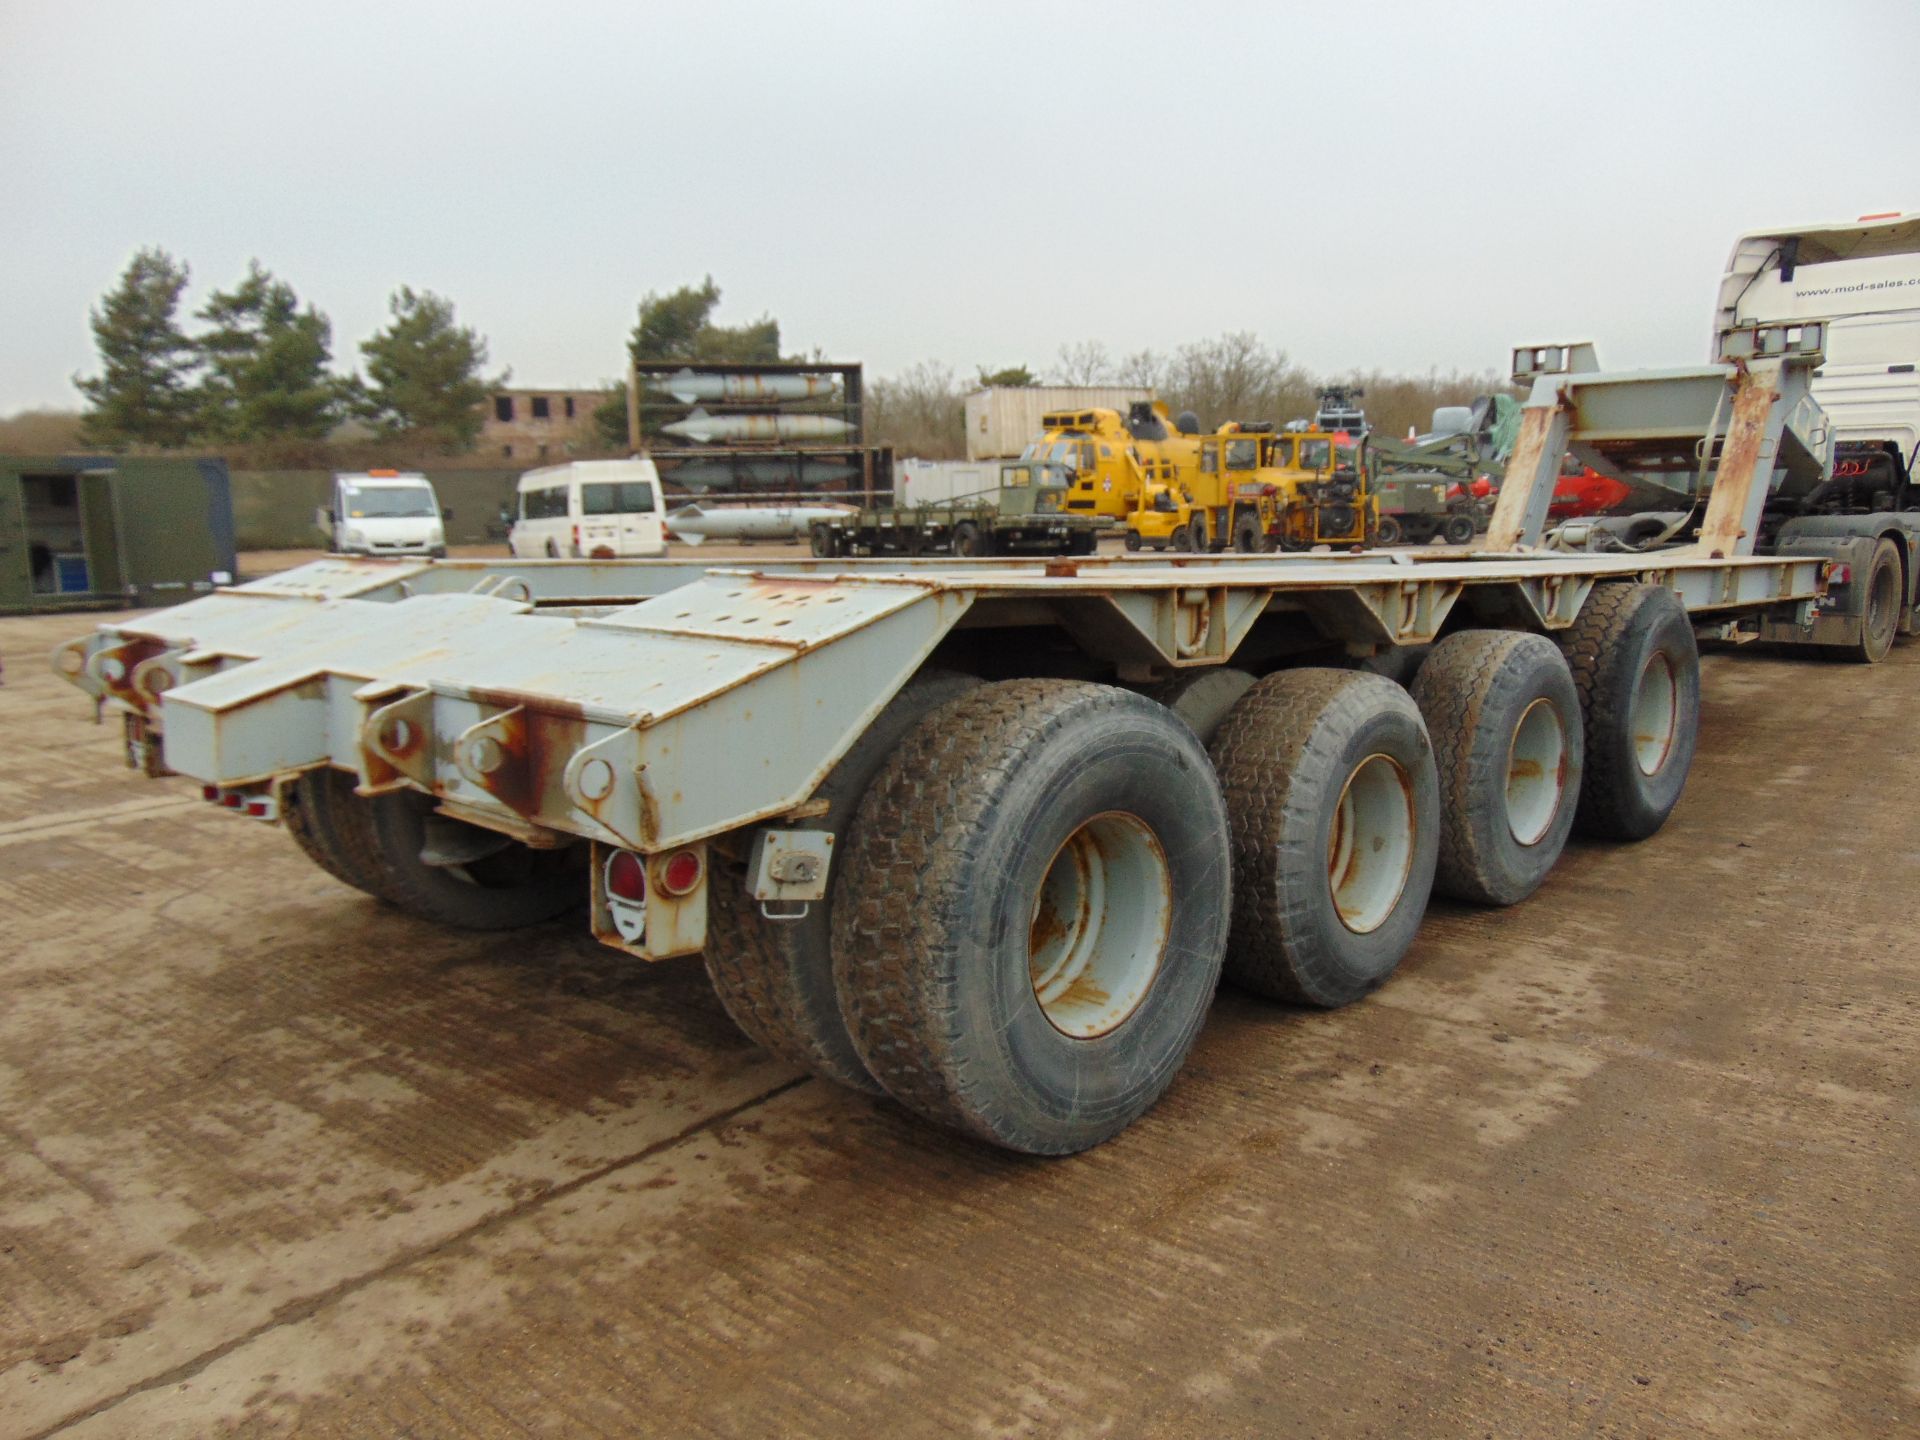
{"points": [[1001, 419], [937, 482], [112, 530]]}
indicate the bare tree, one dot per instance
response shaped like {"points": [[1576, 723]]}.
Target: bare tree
{"points": [[921, 412], [1085, 362]]}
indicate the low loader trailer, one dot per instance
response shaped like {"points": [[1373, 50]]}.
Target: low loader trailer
{"points": [[982, 835]]}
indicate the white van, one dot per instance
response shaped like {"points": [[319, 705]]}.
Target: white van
{"points": [[384, 512], [589, 510]]}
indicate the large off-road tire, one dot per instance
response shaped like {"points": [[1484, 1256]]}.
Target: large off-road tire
{"points": [[330, 824], [775, 977], [968, 542], [1883, 595], [1334, 809], [1248, 538], [508, 887], [1637, 670], [1458, 530], [1387, 531], [1202, 698], [1035, 910], [1507, 741]]}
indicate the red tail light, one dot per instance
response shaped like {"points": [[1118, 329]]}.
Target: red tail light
{"points": [[681, 872], [627, 877]]}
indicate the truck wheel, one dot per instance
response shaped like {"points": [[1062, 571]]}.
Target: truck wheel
{"points": [[1132, 541], [1387, 532], [968, 543], [1458, 530], [504, 888], [1247, 536], [1035, 911], [775, 977], [1084, 542], [1202, 698], [328, 822], [1884, 596], [1637, 669], [822, 539], [1334, 810], [1505, 722]]}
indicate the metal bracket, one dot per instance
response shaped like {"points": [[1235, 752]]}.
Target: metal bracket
{"points": [[788, 866]]}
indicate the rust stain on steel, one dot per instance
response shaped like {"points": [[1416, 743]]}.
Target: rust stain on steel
{"points": [[1739, 468], [128, 656], [537, 742]]}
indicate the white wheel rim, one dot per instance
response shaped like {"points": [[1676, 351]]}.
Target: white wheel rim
{"points": [[1370, 847], [1099, 925], [1656, 714], [1536, 771]]}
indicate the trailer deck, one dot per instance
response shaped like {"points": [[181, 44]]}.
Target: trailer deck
{"points": [[724, 695]]}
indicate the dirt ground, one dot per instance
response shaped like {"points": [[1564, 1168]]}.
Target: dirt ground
{"points": [[1634, 1158]]}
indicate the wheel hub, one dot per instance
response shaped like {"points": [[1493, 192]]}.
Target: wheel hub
{"points": [[1099, 925], [1370, 846]]}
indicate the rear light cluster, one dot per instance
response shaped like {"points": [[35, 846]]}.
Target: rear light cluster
{"points": [[627, 878], [1839, 573], [255, 804]]}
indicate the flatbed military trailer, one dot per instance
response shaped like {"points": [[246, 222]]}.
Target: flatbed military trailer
{"points": [[980, 835], [969, 531]]}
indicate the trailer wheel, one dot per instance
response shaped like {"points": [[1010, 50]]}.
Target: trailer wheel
{"points": [[968, 543], [1036, 905], [1884, 595], [1387, 532], [1334, 810], [822, 539], [328, 822], [1505, 721], [775, 977], [1637, 669], [503, 887]]}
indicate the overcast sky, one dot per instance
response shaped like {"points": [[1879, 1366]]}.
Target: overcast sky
{"points": [[1361, 184]]}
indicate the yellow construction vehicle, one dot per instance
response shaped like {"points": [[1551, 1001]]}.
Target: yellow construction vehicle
{"points": [[1257, 491], [1175, 488]]}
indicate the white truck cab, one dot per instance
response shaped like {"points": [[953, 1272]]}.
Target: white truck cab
{"points": [[384, 512], [589, 510]]}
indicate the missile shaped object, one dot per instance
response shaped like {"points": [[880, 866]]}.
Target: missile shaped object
{"points": [[705, 429], [753, 474], [697, 523], [690, 387]]}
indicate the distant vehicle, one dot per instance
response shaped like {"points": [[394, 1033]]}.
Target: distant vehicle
{"points": [[589, 510], [384, 512]]}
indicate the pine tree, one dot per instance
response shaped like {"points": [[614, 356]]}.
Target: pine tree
{"points": [[144, 394], [424, 380], [267, 363]]}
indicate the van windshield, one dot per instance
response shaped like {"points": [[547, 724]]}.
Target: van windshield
{"points": [[622, 497], [396, 502]]}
